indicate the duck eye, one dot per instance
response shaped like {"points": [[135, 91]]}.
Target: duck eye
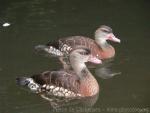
{"points": [[106, 31], [84, 53]]}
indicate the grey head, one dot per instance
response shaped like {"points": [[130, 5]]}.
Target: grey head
{"points": [[104, 33], [82, 55]]}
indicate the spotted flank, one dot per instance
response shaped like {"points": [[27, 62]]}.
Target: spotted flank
{"points": [[65, 48], [48, 50], [48, 89], [58, 91], [54, 51]]}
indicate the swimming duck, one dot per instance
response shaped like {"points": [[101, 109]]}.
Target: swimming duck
{"points": [[75, 83], [99, 47]]}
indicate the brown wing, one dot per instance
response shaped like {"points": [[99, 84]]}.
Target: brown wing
{"points": [[66, 80], [77, 41], [74, 41], [66, 45]]}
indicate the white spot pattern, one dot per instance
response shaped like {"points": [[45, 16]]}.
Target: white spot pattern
{"points": [[59, 91], [65, 48], [54, 51]]}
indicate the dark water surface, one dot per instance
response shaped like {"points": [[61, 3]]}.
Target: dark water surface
{"points": [[36, 22]]}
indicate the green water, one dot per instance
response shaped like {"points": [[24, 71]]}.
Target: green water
{"points": [[34, 22]]}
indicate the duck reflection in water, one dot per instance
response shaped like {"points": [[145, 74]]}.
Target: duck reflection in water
{"points": [[106, 70]]}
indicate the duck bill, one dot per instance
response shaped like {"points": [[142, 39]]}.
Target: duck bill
{"points": [[113, 38], [94, 60]]}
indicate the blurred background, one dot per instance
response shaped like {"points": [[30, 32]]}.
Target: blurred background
{"points": [[33, 22]]}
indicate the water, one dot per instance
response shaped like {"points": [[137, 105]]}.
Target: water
{"points": [[36, 22]]}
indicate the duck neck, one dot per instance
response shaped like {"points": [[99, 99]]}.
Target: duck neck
{"points": [[89, 85], [102, 43], [81, 69]]}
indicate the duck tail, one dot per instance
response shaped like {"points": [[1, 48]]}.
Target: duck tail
{"points": [[22, 81], [48, 50]]}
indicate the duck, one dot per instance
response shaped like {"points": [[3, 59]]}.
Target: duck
{"points": [[99, 47], [67, 84]]}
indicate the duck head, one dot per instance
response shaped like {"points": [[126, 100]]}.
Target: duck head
{"points": [[104, 33], [82, 55]]}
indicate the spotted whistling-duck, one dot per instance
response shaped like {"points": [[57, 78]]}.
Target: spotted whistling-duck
{"points": [[75, 83], [99, 47]]}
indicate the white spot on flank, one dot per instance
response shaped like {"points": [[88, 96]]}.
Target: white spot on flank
{"points": [[78, 94], [61, 89], [57, 88], [44, 85], [65, 48], [67, 94], [51, 87], [66, 90], [47, 87]]}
